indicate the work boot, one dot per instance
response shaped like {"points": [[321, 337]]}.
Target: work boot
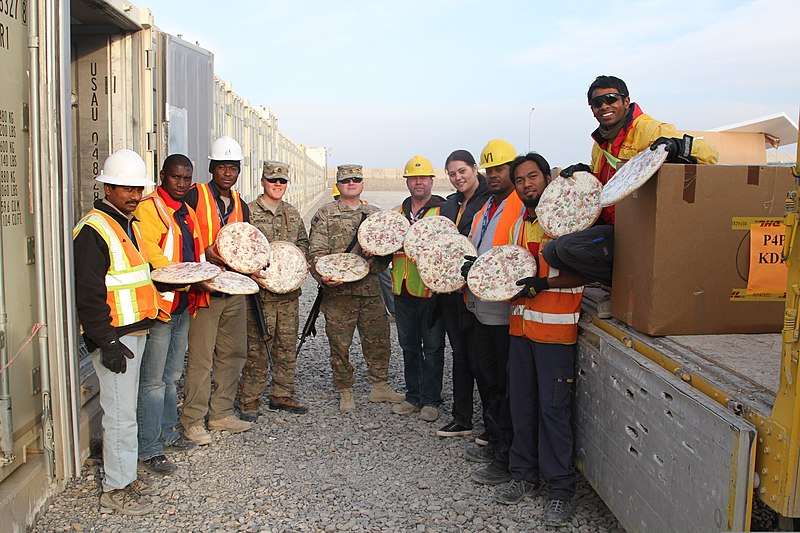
{"points": [[158, 465], [249, 411], [557, 513], [405, 408], [429, 413], [287, 403], [181, 444], [199, 435], [346, 402], [125, 501], [512, 492], [230, 423], [382, 392], [491, 474]]}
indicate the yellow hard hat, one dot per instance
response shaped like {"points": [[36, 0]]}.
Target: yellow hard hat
{"points": [[497, 152], [335, 191], [418, 166]]}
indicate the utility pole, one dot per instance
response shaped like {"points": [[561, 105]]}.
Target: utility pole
{"points": [[530, 115]]}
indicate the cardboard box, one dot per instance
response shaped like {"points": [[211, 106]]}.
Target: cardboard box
{"points": [[736, 148], [677, 258]]}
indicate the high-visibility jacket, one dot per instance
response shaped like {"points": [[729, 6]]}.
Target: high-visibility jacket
{"points": [[163, 241], [552, 315], [208, 213], [130, 295], [404, 270], [638, 133], [508, 217]]}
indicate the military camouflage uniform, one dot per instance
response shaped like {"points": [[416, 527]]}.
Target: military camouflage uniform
{"points": [[350, 305], [280, 313]]}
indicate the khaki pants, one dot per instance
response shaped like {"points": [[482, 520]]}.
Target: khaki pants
{"points": [[218, 343]]}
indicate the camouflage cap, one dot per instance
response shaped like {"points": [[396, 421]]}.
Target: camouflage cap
{"points": [[275, 169], [349, 171]]}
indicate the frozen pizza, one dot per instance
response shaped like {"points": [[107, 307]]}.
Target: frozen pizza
{"points": [[382, 233], [418, 237], [344, 267], [570, 204], [243, 247], [633, 175], [494, 275], [232, 283], [287, 268], [440, 265], [185, 273]]}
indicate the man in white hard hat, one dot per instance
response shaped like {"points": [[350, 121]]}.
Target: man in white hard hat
{"points": [[117, 303], [218, 333]]}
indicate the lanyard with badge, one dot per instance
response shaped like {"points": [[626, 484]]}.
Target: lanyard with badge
{"points": [[485, 220]]}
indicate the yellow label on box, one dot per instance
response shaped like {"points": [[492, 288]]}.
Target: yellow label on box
{"points": [[741, 295], [744, 223]]}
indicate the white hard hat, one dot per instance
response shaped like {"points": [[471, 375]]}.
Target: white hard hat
{"points": [[226, 149], [126, 168]]}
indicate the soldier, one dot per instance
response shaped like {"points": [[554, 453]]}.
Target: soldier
{"points": [[347, 306], [279, 221]]}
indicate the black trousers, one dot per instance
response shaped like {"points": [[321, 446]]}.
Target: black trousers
{"points": [[540, 382], [488, 356], [588, 253]]}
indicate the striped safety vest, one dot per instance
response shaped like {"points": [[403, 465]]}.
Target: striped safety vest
{"points": [[511, 211], [131, 295], [405, 270], [552, 315], [208, 214]]}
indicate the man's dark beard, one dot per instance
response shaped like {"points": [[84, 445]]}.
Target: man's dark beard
{"points": [[533, 202]]}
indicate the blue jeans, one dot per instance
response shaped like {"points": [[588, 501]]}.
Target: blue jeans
{"points": [[162, 366], [118, 400], [423, 350]]}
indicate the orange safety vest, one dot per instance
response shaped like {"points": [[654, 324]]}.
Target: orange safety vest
{"points": [[405, 270], [208, 214], [552, 315], [171, 243], [131, 295], [511, 211]]}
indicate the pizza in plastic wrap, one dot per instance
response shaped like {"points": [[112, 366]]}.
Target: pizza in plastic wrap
{"points": [[232, 283], [344, 267], [494, 275], [382, 233], [287, 268], [185, 273], [570, 204], [440, 265], [243, 247], [633, 175], [418, 236]]}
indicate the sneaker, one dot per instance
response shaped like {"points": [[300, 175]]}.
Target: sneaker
{"points": [[159, 465], [125, 501], [248, 416], [479, 454], [230, 423], [405, 408], [429, 413], [514, 491], [557, 513], [454, 429], [491, 474], [145, 486], [382, 392], [346, 402], [482, 439], [198, 435], [181, 444], [287, 403]]}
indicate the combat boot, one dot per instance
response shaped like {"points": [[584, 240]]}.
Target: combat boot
{"points": [[346, 402], [382, 392]]}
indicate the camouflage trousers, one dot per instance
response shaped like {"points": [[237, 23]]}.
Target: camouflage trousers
{"points": [[343, 313], [282, 321]]}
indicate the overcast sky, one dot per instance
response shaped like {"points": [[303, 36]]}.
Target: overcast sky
{"points": [[381, 81]]}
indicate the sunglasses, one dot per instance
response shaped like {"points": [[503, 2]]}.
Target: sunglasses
{"points": [[348, 180], [282, 181], [608, 99]]}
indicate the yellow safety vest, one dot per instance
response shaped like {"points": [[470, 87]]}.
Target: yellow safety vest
{"points": [[405, 270]]}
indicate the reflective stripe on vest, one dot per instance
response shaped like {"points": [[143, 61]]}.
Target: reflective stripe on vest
{"points": [[208, 214], [405, 270], [130, 295]]}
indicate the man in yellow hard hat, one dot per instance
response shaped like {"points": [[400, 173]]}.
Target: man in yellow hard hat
{"points": [[422, 344]]}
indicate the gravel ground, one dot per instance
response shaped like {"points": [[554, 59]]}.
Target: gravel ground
{"points": [[324, 471]]}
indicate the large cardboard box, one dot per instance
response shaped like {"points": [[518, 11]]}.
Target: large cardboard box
{"points": [[677, 260]]}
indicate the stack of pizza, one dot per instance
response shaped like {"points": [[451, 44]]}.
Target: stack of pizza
{"points": [[287, 268], [243, 247], [419, 236], [440, 264], [382, 233], [344, 267], [494, 275], [569, 204]]}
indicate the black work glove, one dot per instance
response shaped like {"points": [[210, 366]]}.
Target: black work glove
{"points": [[469, 260], [531, 287], [113, 357], [570, 170], [678, 150]]}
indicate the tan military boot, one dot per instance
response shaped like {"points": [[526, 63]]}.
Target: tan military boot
{"points": [[346, 402], [382, 392]]}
